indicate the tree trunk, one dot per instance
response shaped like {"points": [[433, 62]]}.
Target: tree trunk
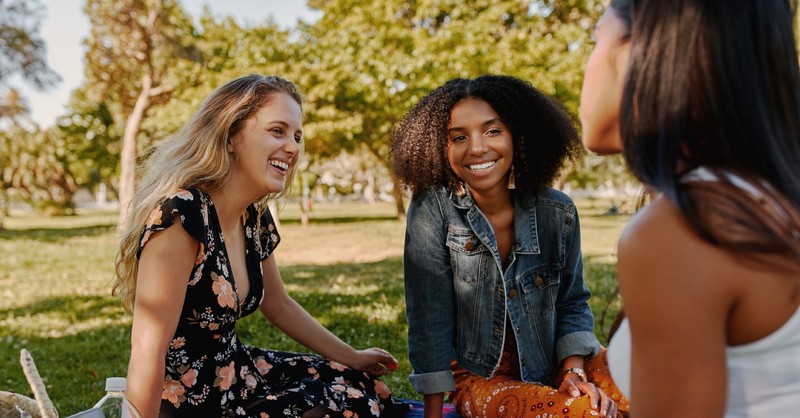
{"points": [[399, 203], [304, 199], [398, 187], [127, 176], [369, 189]]}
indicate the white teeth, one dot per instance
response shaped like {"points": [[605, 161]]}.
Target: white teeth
{"points": [[482, 166], [280, 164]]}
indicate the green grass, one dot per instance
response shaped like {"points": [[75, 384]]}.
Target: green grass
{"points": [[345, 268]]}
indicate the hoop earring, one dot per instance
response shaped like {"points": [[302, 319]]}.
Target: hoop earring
{"points": [[512, 184]]}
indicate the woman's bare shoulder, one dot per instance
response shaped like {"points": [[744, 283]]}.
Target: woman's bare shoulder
{"points": [[660, 252]]}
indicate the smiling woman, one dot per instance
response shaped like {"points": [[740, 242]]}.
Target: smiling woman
{"points": [[200, 255], [496, 301]]}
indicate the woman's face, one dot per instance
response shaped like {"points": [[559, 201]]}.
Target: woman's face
{"points": [[480, 146], [603, 83], [267, 147]]}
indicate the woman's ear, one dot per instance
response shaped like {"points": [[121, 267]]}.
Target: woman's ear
{"points": [[229, 144]]}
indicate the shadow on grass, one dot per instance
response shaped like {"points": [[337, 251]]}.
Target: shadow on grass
{"points": [[74, 367], [340, 219], [345, 297], [55, 234], [72, 308], [362, 303]]}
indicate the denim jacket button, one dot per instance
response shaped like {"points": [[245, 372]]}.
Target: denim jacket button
{"points": [[538, 281], [512, 293], [469, 245]]}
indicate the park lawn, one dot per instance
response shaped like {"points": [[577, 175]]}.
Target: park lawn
{"points": [[345, 268]]}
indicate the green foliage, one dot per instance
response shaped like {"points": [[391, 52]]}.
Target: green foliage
{"points": [[132, 39], [361, 66], [21, 47], [92, 141], [226, 50], [345, 268], [35, 168]]}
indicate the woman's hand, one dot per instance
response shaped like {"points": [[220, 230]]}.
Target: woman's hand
{"points": [[574, 386], [374, 360]]}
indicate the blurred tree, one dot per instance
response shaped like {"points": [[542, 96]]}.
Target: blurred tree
{"points": [[227, 50], [22, 50], [354, 75], [134, 61], [35, 168], [92, 141], [13, 106], [367, 62]]}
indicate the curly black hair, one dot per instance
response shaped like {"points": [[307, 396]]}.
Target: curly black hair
{"points": [[544, 134]]}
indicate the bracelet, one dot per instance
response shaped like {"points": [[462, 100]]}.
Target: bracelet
{"points": [[578, 371]]}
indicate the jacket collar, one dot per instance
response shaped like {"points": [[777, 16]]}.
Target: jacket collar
{"points": [[527, 241]]}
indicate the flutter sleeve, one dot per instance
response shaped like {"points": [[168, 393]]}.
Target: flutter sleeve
{"points": [[185, 206]]}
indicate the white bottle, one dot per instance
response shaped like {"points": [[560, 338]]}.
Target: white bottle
{"points": [[112, 404]]}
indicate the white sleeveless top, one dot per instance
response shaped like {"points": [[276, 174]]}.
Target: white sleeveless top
{"points": [[763, 376]]}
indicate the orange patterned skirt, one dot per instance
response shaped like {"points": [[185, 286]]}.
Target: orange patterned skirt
{"points": [[506, 395]]}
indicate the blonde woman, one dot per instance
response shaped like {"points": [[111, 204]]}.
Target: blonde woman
{"points": [[199, 255]]}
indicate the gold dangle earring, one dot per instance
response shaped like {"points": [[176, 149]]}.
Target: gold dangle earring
{"points": [[511, 181]]}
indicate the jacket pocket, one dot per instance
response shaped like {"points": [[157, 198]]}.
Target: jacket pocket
{"points": [[540, 288], [466, 252]]}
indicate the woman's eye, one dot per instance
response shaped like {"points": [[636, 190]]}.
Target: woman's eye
{"points": [[458, 138], [277, 131], [298, 139], [493, 131]]}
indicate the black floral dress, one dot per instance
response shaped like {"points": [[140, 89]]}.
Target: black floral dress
{"points": [[209, 372]]}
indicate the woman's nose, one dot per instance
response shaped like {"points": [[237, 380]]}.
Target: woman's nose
{"points": [[291, 147], [477, 144]]}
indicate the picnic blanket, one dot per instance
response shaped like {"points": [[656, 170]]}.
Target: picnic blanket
{"points": [[417, 408]]}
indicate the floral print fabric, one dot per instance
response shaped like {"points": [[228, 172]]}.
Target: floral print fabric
{"points": [[209, 372]]}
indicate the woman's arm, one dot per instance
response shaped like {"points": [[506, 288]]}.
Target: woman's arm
{"points": [[574, 320], [286, 314], [430, 301], [164, 268], [677, 300], [433, 403], [575, 337]]}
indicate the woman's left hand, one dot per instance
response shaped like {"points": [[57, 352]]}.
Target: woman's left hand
{"points": [[598, 399], [374, 360]]}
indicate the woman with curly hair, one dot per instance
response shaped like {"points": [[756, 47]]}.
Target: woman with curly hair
{"points": [[199, 255], [702, 97], [496, 301]]}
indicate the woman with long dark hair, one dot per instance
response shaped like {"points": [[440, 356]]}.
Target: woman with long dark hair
{"points": [[703, 100]]}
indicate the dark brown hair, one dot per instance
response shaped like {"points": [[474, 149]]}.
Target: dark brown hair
{"points": [[544, 134], [715, 84]]}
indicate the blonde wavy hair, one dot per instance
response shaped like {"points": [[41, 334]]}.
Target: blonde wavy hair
{"points": [[195, 157]]}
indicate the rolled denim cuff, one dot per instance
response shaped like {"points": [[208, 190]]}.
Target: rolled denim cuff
{"points": [[436, 382], [581, 343]]}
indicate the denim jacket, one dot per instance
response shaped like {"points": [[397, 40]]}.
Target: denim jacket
{"points": [[458, 297]]}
